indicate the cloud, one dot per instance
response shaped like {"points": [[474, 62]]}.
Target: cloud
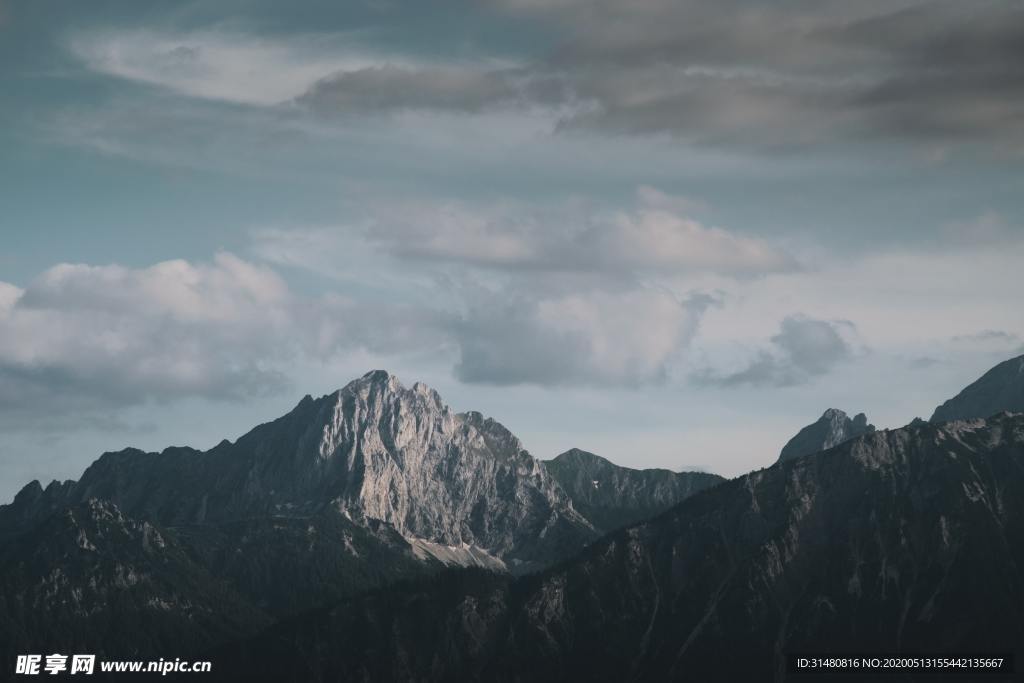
{"points": [[86, 336], [570, 296], [743, 73], [566, 295], [986, 340], [989, 228], [923, 362], [216, 65], [650, 237], [444, 87], [623, 338], [804, 348], [80, 342], [738, 73], [798, 72]]}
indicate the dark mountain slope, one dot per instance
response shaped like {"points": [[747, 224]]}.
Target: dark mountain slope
{"points": [[284, 565], [1001, 388], [896, 541], [89, 579]]}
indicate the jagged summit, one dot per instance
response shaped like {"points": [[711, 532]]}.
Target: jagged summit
{"points": [[383, 381], [1001, 388], [831, 429]]}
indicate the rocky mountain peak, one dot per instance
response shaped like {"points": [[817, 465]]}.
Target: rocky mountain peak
{"points": [[376, 410], [402, 456], [831, 429]]}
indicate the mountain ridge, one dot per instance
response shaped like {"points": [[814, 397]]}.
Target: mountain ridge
{"points": [[894, 541]]}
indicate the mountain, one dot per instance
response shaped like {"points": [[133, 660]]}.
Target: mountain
{"points": [[902, 541], [1001, 388], [457, 487], [831, 429], [369, 485], [611, 496]]}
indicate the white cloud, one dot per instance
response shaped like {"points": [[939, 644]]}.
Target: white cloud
{"points": [[562, 295], [899, 298], [624, 338], [927, 306], [82, 340], [653, 235], [219, 66], [120, 335]]}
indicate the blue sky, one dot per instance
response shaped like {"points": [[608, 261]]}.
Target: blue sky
{"points": [[671, 233]]}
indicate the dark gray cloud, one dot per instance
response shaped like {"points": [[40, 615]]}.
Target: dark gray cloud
{"points": [[803, 349], [742, 72], [453, 88]]}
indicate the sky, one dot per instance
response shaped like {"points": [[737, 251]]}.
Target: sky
{"points": [[671, 232]]}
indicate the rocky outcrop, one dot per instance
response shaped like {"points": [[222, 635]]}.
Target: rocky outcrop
{"points": [[1001, 388], [898, 541], [831, 429], [611, 496]]}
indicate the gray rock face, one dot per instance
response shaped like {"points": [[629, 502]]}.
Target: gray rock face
{"points": [[611, 496], [831, 429], [373, 450], [1001, 388]]}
